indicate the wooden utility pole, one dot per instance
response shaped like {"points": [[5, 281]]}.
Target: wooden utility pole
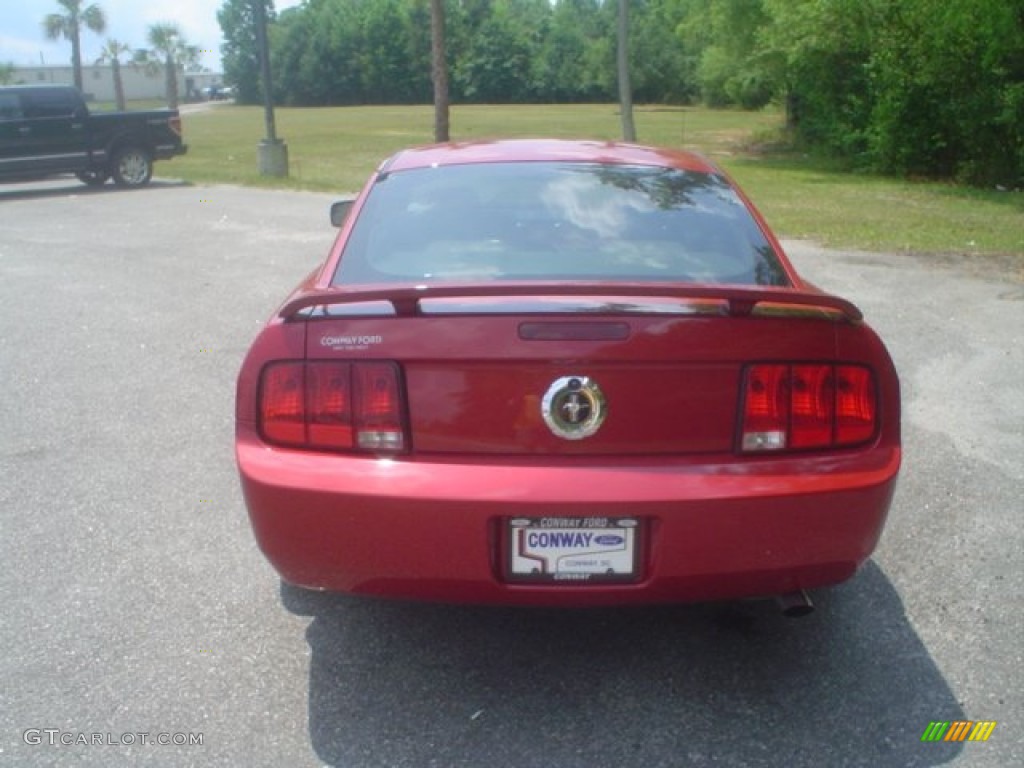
{"points": [[272, 153]]}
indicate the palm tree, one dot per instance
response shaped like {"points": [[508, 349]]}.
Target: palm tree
{"points": [[172, 50], [625, 89], [112, 51], [439, 70], [69, 26]]}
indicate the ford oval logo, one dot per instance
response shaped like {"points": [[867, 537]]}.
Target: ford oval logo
{"points": [[609, 540]]}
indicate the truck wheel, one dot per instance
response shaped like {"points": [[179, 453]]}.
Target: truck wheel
{"points": [[93, 178], [132, 167]]}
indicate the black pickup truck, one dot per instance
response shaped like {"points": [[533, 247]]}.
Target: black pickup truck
{"points": [[47, 130]]}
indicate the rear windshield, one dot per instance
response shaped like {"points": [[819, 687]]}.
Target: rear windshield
{"points": [[556, 221]]}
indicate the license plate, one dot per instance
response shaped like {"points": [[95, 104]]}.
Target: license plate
{"points": [[572, 549]]}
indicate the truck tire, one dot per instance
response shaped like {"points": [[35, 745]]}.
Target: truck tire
{"points": [[93, 178], [132, 167]]}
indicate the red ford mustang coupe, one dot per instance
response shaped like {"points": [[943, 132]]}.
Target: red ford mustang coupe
{"points": [[564, 373]]}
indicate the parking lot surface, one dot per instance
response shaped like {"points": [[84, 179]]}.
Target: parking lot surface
{"points": [[138, 610]]}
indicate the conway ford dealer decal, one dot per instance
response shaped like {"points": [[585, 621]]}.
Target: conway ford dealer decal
{"points": [[350, 343]]}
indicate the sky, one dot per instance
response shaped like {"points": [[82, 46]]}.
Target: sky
{"points": [[23, 43]]}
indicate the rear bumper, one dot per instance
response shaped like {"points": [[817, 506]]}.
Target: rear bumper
{"points": [[167, 151], [435, 529]]}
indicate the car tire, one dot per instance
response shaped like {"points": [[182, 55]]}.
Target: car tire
{"points": [[93, 178], [132, 167]]}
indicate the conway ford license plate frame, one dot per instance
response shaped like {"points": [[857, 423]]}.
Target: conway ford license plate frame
{"points": [[572, 550]]}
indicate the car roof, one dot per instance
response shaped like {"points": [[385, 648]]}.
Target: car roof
{"points": [[545, 150]]}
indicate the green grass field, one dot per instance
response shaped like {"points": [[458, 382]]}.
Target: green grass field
{"points": [[335, 149]]}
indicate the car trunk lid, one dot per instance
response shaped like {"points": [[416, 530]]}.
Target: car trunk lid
{"points": [[496, 374]]}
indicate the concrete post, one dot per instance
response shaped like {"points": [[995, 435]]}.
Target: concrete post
{"points": [[272, 157]]}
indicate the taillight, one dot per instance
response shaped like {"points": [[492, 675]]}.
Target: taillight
{"points": [[766, 408], [339, 406], [283, 403], [807, 406], [174, 123], [329, 405], [856, 405], [378, 412], [812, 406]]}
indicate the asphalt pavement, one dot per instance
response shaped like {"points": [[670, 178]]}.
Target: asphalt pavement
{"points": [[141, 625]]}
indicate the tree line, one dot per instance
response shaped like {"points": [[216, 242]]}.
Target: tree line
{"points": [[344, 52], [930, 88]]}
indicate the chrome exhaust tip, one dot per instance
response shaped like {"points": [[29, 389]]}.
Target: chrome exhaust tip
{"points": [[795, 604]]}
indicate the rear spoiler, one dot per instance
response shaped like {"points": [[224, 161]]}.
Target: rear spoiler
{"points": [[740, 301]]}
